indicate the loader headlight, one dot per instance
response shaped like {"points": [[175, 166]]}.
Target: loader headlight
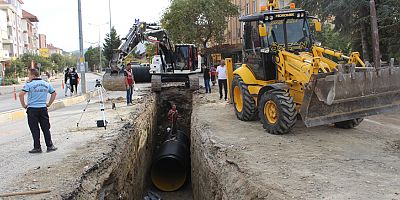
{"points": [[265, 50], [271, 17]]}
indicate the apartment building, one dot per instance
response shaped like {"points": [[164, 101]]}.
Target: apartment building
{"points": [[42, 41], [53, 49], [30, 36], [14, 43], [232, 47], [4, 54]]}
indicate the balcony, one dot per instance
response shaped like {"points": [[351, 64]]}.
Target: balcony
{"points": [[8, 41], [4, 55]]}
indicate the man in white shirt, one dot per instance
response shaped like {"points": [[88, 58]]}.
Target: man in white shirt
{"points": [[221, 73]]}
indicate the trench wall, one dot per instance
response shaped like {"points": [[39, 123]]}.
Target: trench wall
{"points": [[122, 174], [214, 176]]}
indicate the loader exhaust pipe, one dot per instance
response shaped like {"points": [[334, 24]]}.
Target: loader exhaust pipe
{"points": [[171, 166]]}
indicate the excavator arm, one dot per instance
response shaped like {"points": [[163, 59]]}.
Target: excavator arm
{"points": [[137, 34]]}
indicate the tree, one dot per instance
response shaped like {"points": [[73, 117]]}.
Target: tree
{"points": [[351, 19], [45, 63], [198, 21], [112, 41], [16, 69], [71, 60], [93, 58], [59, 61], [150, 49]]}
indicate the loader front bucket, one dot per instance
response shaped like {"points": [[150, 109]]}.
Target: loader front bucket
{"points": [[350, 93]]}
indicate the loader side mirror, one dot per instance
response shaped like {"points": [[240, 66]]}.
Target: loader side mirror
{"points": [[318, 25], [262, 29]]}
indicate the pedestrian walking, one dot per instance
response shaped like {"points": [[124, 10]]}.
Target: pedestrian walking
{"points": [[66, 82], [213, 71], [36, 109], [74, 81], [129, 83], [222, 83], [207, 77]]}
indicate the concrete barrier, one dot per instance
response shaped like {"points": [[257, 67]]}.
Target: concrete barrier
{"points": [[18, 114]]}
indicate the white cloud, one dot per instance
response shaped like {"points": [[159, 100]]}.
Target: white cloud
{"points": [[59, 18]]}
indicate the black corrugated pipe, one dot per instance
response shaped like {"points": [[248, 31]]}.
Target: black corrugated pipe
{"points": [[141, 74], [170, 167]]}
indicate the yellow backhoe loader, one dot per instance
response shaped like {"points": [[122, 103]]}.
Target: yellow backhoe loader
{"points": [[286, 74]]}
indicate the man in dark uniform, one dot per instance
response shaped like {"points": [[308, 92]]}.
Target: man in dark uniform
{"points": [[66, 81], [74, 81], [37, 90]]}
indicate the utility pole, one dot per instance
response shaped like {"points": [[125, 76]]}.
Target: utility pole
{"points": [[82, 66], [99, 43], [100, 66], [375, 34], [109, 10]]}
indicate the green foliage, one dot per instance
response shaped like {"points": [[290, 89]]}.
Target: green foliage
{"points": [[10, 81], [150, 49], [92, 56], [46, 64], [198, 21], [112, 41], [332, 39], [389, 26], [16, 69], [70, 60], [351, 19], [58, 61]]}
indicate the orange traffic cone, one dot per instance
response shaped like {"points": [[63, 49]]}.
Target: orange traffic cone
{"points": [[15, 94]]}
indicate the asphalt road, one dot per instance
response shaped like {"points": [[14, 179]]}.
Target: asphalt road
{"points": [[8, 103]]}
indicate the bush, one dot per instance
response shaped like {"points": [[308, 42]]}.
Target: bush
{"points": [[10, 81]]}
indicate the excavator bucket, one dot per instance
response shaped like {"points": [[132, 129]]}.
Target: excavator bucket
{"points": [[114, 82], [350, 93]]}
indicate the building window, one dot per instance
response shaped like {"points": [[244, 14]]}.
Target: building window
{"points": [[247, 8], [281, 3], [254, 6]]}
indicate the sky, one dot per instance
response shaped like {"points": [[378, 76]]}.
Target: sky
{"points": [[58, 19]]}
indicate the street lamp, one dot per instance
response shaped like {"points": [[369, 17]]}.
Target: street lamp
{"points": [[99, 26]]}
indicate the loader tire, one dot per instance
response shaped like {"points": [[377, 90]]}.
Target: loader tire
{"points": [[349, 124], [244, 104], [277, 112]]}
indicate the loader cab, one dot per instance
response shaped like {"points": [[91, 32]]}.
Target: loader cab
{"points": [[268, 32]]}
